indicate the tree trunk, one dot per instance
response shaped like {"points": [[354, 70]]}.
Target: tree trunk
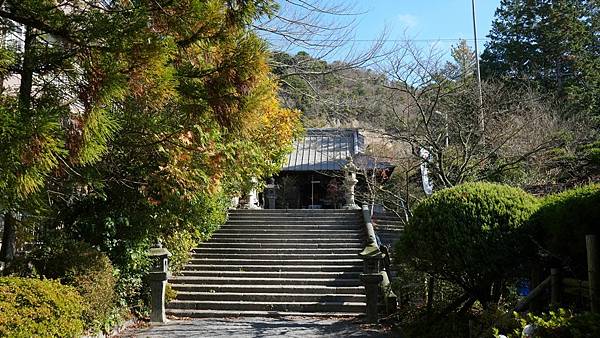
{"points": [[27, 70], [9, 238]]}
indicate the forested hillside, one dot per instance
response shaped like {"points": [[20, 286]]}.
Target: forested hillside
{"points": [[531, 136]]}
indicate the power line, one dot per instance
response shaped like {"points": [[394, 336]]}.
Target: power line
{"points": [[385, 40]]}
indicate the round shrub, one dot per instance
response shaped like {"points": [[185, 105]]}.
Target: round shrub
{"points": [[88, 270], [39, 308], [563, 221], [471, 235]]}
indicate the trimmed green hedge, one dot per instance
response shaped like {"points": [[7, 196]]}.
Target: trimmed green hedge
{"points": [[88, 270], [471, 235], [39, 308], [563, 221]]}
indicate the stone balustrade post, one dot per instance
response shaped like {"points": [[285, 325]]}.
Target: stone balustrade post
{"points": [[350, 181], [371, 278], [157, 277], [271, 192]]}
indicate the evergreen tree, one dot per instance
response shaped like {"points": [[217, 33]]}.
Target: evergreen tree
{"points": [[131, 117], [552, 44], [463, 66]]}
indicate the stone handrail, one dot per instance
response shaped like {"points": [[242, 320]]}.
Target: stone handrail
{"points": [[369, 225], [375, 278]]}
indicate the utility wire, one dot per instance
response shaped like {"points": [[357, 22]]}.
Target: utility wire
{"points": [[388, 40]]}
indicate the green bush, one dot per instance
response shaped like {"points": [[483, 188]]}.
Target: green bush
{"points": [[88, 270], [470, 235], [124, 225], [39, 308], [563, 221], [561, 323]]}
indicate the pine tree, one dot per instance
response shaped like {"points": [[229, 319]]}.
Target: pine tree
{"points": [[135, 111], [463, 66], [552, 44]]}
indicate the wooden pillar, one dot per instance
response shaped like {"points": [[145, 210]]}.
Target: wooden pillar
{"points": [[555, 286], [594, 282], [536, 279]]}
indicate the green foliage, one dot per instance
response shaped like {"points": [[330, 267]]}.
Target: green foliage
{"points": [[164, 111], [39, 308], [170, 293], [592, 153], [550, 44], [452, 325], [564, 219], [562, 323], [471, 235], [89, 271]]}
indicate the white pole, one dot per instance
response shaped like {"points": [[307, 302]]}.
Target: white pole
{"points": [[481, 117]]}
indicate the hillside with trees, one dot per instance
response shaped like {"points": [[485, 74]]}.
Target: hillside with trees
{"points": [[536, 129]]}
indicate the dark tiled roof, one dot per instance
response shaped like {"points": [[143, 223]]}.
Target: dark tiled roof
{"points": [[324, 149]]}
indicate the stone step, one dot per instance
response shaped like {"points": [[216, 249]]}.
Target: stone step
{"points": [[276, 261], [278, 240], [316, 219], [288, 227], [294, 211], [310, 215], [303, 237], [289, 289], [288, 220], [356, 307], [272, 274], [279, 256], [199, 252], [284, 245], [277, 268], [233, 261], [389, 235], [183, 313], [387, 215], [228, 228], [269, 297], [388, 220], [287, 231], [263, 281], [292, 226], [389, 228]]}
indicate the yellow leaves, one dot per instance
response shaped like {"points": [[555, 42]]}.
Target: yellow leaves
{"points": [[202, 19], [37, 154], [99, 128], [152, 78], [274, 127]]}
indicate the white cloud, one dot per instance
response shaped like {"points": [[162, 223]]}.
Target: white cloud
{"points": [[408, 20]]}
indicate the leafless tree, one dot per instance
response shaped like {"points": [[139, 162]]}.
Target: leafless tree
{"points": [[439, 112]]}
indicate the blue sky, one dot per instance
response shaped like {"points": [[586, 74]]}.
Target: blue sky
{"points": [[437, 23], [427, 21]]}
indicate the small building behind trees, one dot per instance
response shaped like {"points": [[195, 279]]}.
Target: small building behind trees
{"points": [[312, 175]]}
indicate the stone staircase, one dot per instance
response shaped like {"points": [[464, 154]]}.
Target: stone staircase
{"points": [[273, 263], [388, 227]]}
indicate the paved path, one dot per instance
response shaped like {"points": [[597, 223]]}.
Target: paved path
{"points": [[299, 327]]}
